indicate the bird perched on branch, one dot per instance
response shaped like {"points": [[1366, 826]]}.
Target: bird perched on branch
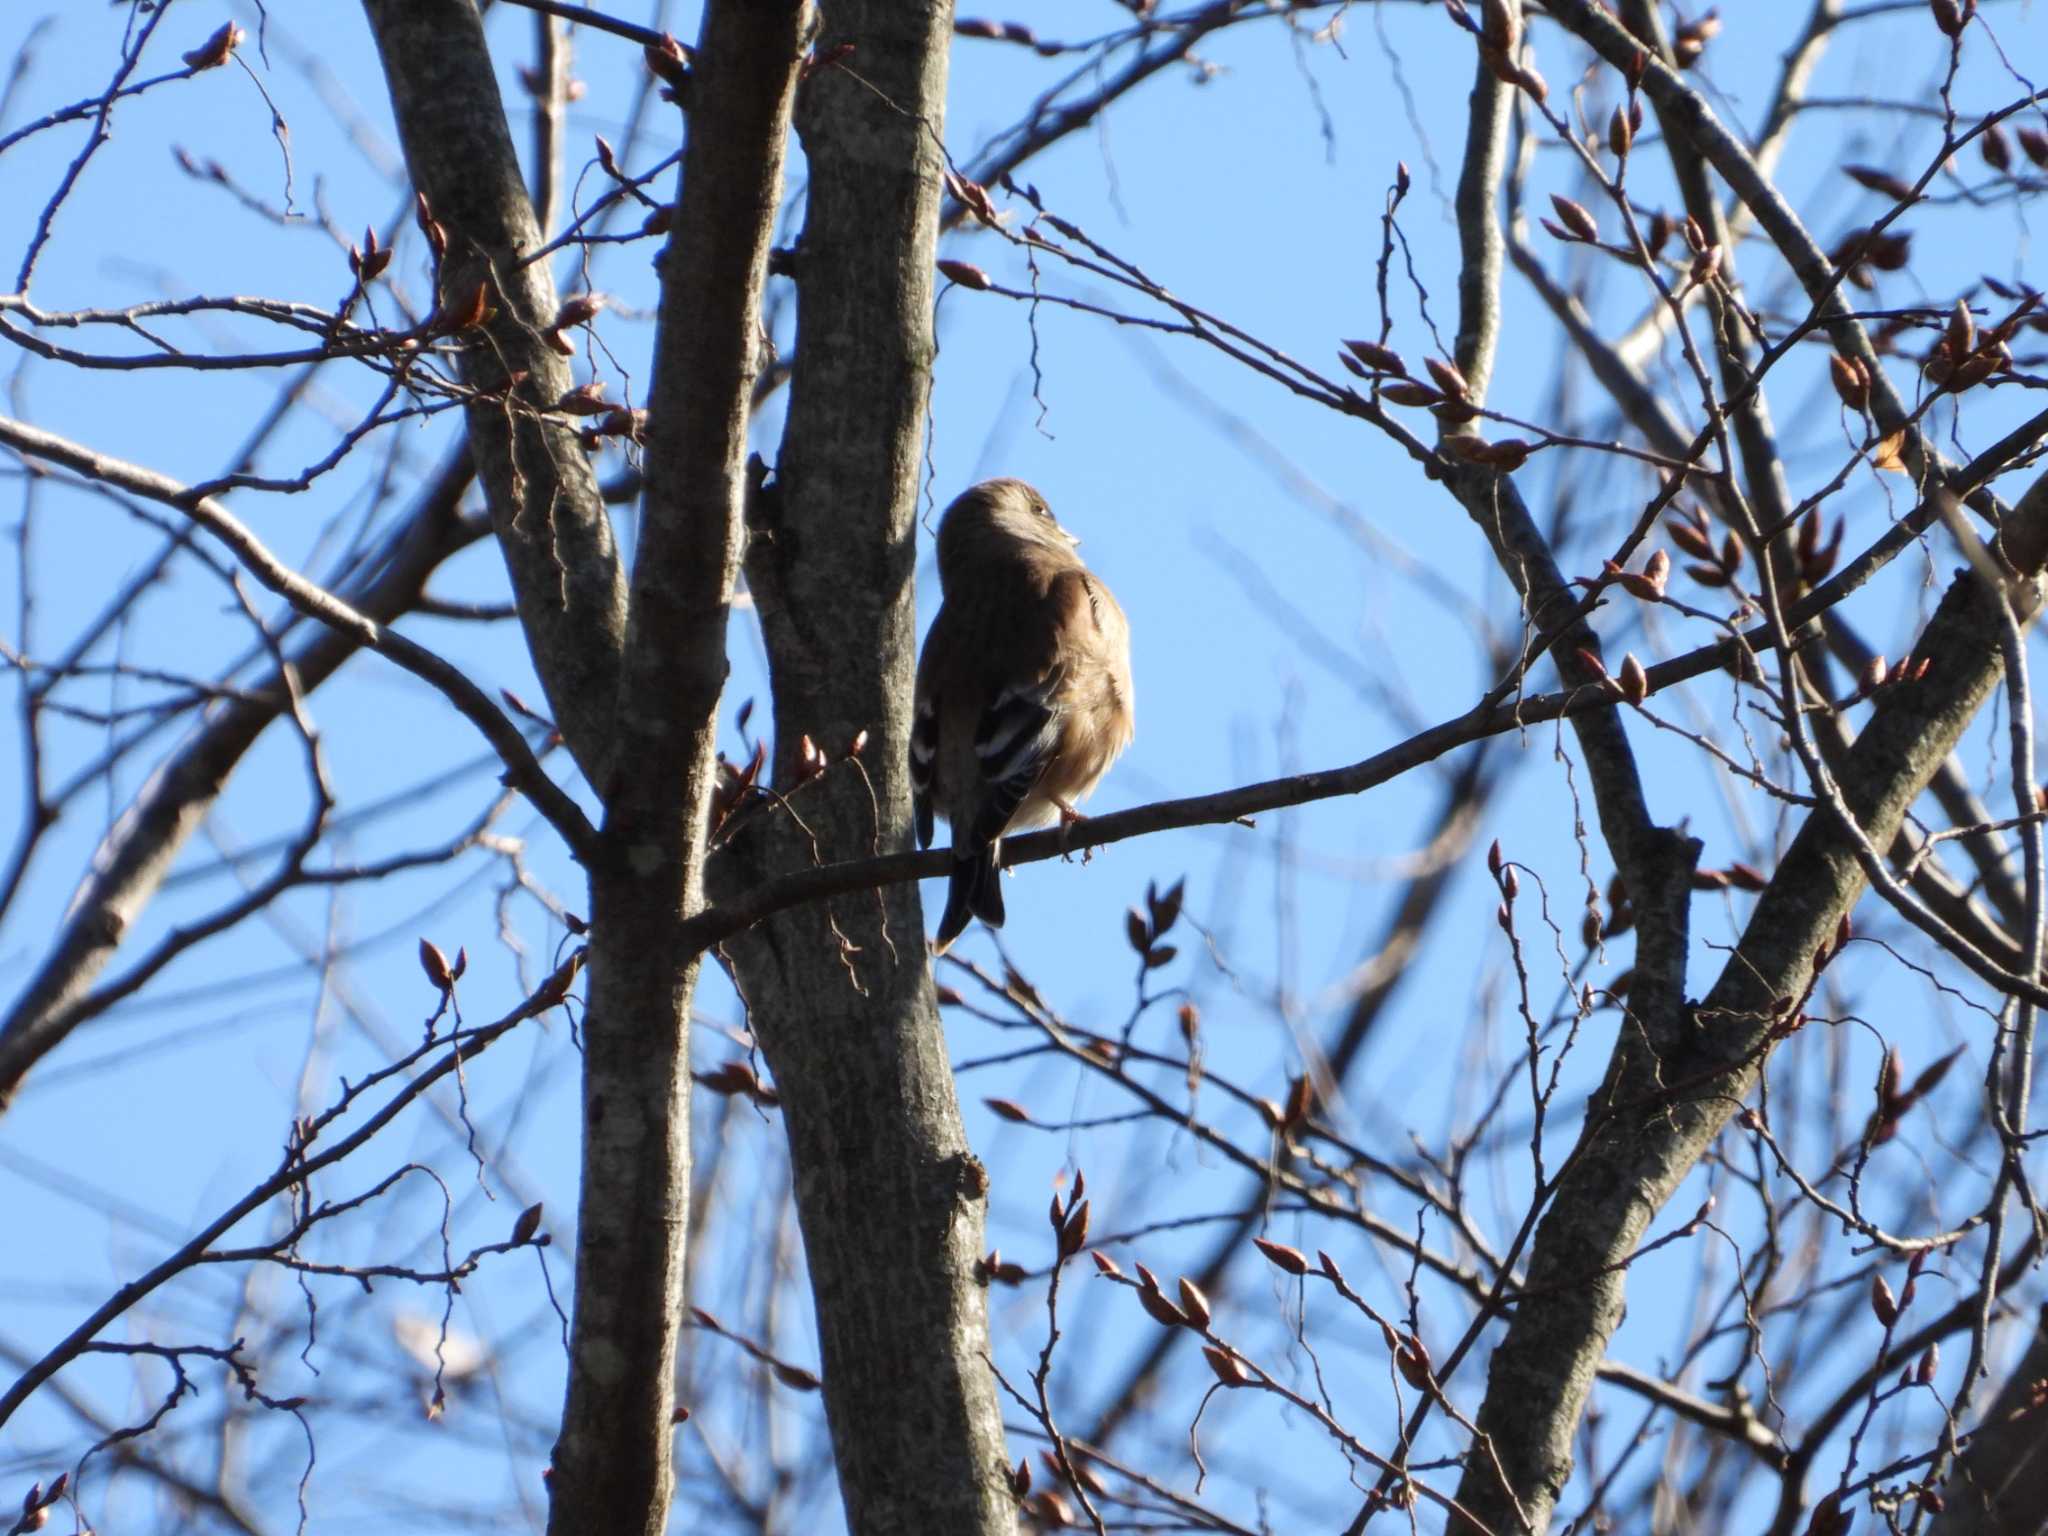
{"points": [[1023, 690]]}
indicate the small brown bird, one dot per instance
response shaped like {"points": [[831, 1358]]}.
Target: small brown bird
{"points": [[1023, 690]]}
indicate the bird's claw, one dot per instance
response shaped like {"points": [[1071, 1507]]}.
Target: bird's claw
{"points": [[1069, 819]]}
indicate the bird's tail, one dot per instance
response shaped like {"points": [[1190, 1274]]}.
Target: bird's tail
{"points": [[975, 890]]}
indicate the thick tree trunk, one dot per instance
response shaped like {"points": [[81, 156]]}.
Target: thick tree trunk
{"points": [[2000, 1487], [612, 1462], [637, 699], [840, 993]]}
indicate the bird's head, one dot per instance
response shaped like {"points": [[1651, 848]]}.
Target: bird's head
{"points": [[998, 513]]}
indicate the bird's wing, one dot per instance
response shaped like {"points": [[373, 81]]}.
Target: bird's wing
{"points": [[1025, 725], [924, 724], [1017, 736]]}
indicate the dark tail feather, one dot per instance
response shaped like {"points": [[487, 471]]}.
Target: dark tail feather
{"points": [[975, 890]]}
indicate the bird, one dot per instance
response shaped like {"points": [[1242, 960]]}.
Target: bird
{"points": [[1024, 694]]}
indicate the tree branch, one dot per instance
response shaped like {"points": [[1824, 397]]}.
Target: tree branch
{"points": [[544, 499], [612, 1468]]}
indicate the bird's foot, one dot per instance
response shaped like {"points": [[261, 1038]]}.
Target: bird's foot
{"points": [[1069, 819]]}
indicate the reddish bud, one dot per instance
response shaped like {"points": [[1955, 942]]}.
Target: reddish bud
{"points": [[1851, 380], [217, 49], [1225, 1366], [966, 274], [585, 400], [1880, 181], [1162, 1311], [1447, 377], [669, 60], [1412, 1360], [1659, 234], [1377, 358], [1074, 1230], [1280, 1256], [435, 964], [1996, 149], [1575, 218], [527, 1224], [1411, 394]]}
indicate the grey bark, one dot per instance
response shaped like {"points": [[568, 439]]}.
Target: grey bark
{"points": [[839, 993], [1677, 1073], [637, 702], [611, 1467], [1664, 1100], [2000, 1486], [557, 540]]}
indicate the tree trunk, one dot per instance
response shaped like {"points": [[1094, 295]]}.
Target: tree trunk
{"points": [[635, 688], [839, 993]]}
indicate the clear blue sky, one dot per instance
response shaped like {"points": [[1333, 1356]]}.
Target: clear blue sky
{"points": [[1233, 521]]}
